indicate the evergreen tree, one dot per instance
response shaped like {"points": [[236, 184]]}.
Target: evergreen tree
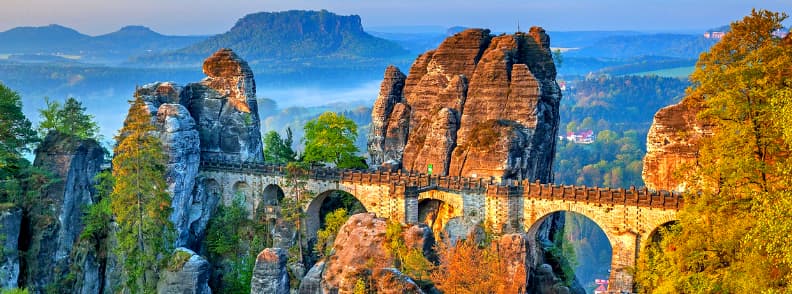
{"points": [[139, 200], [69, 118], [725, 240], [330, 138], [16, 133], [278, 150]]}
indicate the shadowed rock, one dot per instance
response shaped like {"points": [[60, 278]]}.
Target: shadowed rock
{"points": [[190, 277], [73, 164], [270, 275]]}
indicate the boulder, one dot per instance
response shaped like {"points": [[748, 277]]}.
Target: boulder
{"points": [[73, 163], [478, 105], [187, 273], [360, 251], [10, 223], [270, 275], [311, 283]]}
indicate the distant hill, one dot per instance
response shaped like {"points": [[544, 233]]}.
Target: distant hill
{"points": [[60, 40], [47, 39], [283, 36], [666, 45]]}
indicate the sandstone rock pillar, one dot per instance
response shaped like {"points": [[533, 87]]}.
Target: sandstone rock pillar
{"points": [[270, 274], [188, 274]]}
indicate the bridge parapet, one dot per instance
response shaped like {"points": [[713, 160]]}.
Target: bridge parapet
{"points": [[508, 188]]}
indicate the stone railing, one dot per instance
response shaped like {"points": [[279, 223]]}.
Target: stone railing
{"points": [[508, 188]]}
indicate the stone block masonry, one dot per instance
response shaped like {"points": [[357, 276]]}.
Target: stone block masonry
{"points": [[627, 216]]}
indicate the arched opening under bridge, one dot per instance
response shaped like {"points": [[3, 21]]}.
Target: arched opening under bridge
{"points": [[652, 250], [577, 248], [324, 204]]}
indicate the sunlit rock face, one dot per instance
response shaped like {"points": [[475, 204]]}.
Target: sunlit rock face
{"points": [[672, 145], [478, 105], [360, 247], [225, 109]]}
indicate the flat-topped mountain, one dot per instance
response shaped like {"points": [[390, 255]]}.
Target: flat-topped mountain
{"points": [[289, 34]]}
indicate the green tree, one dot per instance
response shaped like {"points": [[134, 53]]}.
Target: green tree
{"points": [[278, 150], [326, 236], [69, 118], [140, 201], [233, 241], [330, 138], [297, 197], [738, 195], [16, 133]]}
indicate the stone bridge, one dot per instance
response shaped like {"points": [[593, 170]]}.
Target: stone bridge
{"points": [[628, 217]]}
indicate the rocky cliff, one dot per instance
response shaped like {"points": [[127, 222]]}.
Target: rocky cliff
{"points": [[10, 223], [73, 163], [212, 120], [478, 105], [672, 144]]}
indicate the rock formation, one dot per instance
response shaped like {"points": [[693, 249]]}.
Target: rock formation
{"points": [[672, 143], [73, 163], [270, 275], [225, 109], [10, 223], [360, 247], [478, 105], [177, 131], [213, 120], [188, 274]]}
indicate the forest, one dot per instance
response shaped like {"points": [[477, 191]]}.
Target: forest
{"points": [[619, 111]]}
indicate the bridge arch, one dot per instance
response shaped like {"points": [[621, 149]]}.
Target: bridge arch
{"points": [[272, 195], [443, 212], [585, 271], [242, 190], [314, 214], [654, 225]]}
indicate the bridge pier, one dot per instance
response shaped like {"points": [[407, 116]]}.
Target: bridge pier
{"points": [[625, 253], [411, 205]]}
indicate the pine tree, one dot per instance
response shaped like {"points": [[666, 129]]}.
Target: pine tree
{"points": [[69, 118], [139, 200], [278, 150], [16, 133]]}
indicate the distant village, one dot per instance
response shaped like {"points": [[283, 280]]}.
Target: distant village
{"points": [[582, 137]]}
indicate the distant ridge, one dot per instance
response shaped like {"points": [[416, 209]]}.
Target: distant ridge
{"points": [[57, 39], [288, 34]]}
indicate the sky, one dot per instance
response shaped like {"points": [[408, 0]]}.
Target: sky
{"points": [[205, 17]]}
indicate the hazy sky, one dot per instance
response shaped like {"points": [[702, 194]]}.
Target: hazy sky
{"points": [[216, 16]]}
